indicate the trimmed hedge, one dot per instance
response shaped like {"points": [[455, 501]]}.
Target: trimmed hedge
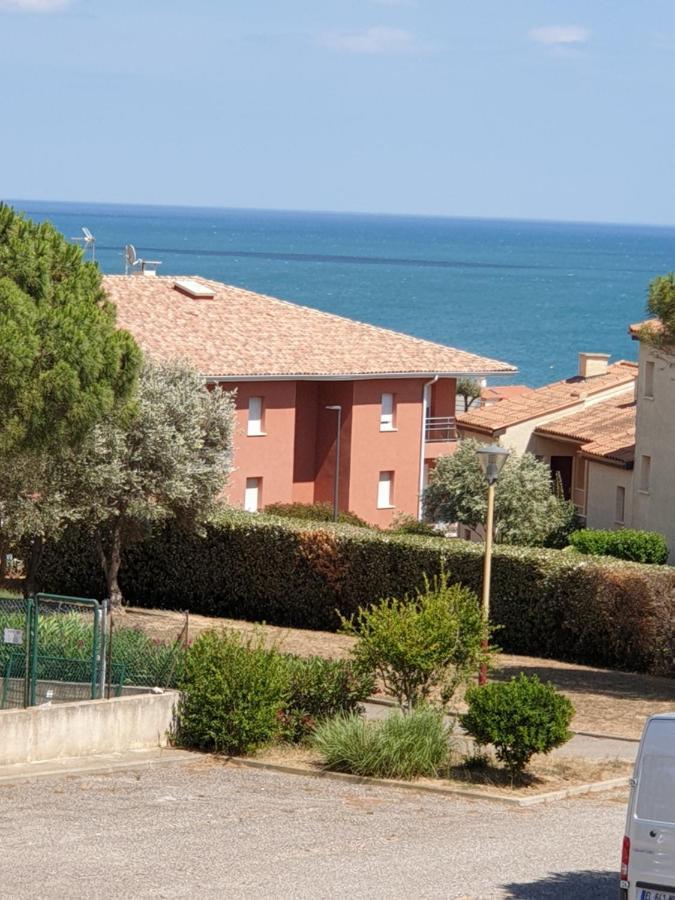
{"points": [[548, 603], [625, 543]]}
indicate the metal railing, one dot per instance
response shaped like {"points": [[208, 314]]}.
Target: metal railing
{"points": [[440, 428]]}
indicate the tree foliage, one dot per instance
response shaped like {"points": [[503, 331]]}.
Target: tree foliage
{"points": [[469, 389], [661, 303], [527, 511], [63, 363], [417, 644], [171, 460]]}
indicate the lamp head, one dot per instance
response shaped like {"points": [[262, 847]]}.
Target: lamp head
{"points": [[334, 408], [492, 461]]}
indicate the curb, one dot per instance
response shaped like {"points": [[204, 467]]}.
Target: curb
{"points": [[466, 793], [92, 765]]}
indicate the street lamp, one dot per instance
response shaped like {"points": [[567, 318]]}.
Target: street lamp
{"points": [[336, 483], [491, 460]]}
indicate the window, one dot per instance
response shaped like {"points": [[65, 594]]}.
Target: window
{"points": [[255, 410], [645, 467], [252, 494], [649, 380], [387, 413], [384, 490], [620, 512]]}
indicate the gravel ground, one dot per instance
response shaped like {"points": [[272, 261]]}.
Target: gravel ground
{"points": [[206, 830]]}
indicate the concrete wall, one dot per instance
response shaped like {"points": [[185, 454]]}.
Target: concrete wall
{"points": [[654, 508], [86, 728], [601, 484]]}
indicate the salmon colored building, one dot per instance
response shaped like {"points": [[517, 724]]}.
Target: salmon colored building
{"points": [[311, 389]]}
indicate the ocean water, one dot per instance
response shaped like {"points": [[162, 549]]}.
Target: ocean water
{"points": [[530, 293]]}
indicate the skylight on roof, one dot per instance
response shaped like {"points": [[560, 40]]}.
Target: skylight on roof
{"points": [[193, 288]]}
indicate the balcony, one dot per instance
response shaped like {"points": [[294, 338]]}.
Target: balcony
{"points": [[439, 429]]}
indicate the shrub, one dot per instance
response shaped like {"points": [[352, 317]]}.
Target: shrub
{"points": [[585, 609], [399, 746], [426, 641], [519, 718], [405, 524], [320, 689], [625, 543], [233, 689], [314, 512]]}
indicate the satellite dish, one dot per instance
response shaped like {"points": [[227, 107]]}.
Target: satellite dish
{"points": [[134, 265]]}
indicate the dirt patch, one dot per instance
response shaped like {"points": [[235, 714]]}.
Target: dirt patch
{"points": [[545, 775], [606, 702]]}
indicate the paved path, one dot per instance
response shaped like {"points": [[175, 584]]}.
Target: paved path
{"points": [[204, 830], [581, 745]]}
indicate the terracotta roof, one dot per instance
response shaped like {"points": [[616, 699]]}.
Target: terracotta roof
{"points": [[495, 393], [237, 333], [635, 329], [550, 398], [604, 430]]}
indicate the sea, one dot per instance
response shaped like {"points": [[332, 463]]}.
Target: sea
{"points": [[533, 294]]}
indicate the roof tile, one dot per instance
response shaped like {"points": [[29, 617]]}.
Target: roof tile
{"points": [[546, 400], [239, 333]]}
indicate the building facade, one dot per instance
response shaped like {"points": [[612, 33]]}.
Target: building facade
{"points": [[323, 403]]}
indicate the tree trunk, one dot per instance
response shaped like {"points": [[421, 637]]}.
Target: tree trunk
{"points": [[111, 563], [32, 566]]}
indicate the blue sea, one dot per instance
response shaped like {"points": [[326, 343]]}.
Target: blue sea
{"points": [[530, 293]]}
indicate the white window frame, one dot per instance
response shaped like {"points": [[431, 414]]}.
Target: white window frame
{"points": [[645, 473], [252, 493], [620, 505], [385, 490], [255, 417], [387, 411]]}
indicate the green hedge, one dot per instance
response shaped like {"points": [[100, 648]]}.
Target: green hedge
{"points": [[548, 602], [625, 543]]}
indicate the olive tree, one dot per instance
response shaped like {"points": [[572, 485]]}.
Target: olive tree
{"points": [[527, 509], [169, 459]]}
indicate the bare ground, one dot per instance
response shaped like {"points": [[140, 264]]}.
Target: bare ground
{"points": [[606, 702]]}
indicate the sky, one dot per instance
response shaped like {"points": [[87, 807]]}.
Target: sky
{"points": [[542, 109]]}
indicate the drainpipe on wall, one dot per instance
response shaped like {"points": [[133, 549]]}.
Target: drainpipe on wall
{"points": [[426, 393]]}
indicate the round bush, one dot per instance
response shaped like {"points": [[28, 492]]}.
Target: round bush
{"points": [[519, 718]]}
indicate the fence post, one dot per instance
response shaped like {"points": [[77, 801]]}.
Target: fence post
{"points": [[103, 648], [32, 700], [94, 652], [27, 652]]}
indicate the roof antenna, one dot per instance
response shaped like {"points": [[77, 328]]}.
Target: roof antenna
{"points": [[133, 265], [88, 242]]}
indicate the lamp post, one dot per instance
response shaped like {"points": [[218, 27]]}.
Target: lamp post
{"points": [[491, 460], [336, 483]]}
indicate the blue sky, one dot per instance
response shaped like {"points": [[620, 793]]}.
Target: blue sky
{"points": [[526, 109]]}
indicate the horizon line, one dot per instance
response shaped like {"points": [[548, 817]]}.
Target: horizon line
{"points": [[330, 212]]}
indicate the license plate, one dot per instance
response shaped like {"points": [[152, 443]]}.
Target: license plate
{"points": [[654, 894]]}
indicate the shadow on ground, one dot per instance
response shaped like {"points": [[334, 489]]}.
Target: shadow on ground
{"points": [[570, 885], [622, 685]]}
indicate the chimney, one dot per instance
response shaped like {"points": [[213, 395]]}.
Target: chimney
{"points": [[592, 364]]}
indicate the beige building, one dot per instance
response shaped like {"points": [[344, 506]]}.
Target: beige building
{"points": [[653, 488], [565, 423]]}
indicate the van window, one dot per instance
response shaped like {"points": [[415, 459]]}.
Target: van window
{"points": [[656, 778]]}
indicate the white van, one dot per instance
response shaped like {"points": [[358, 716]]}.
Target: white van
{"points": [[648, 855]]}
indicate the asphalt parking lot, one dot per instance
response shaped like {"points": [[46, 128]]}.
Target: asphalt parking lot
{"points": [[202, 829]]}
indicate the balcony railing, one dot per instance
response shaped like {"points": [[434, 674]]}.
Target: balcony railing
{"points": [[440, 428]]}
